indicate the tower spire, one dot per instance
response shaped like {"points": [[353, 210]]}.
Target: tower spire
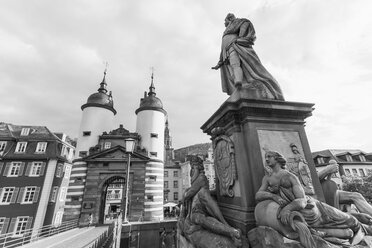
{"points": [[103, 84], [152, 87]]}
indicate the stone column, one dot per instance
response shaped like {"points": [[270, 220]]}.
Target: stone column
{"points": [[241, 130]]}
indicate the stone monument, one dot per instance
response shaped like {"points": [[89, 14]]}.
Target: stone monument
{"points": [[255, 116], [254, 120]]}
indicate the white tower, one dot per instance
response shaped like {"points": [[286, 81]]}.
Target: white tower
{"points": [[150, 126], [98, 116]]}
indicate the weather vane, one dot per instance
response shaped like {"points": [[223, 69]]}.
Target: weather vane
{"points": [[106, 66], [152, 72]]}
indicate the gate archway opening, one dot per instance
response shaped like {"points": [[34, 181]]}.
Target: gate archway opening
{"points": [[113, 193]]}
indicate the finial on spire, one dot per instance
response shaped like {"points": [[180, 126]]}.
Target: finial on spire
{"points": [[103, 84], [152, 87]]}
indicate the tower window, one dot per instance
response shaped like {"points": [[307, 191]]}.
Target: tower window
{"points": [[154, 154], [154, 135], [152, 178], [150, 198], [87, 133]]}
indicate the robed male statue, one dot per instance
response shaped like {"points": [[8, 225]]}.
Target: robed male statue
{"points": [[239, 63]]}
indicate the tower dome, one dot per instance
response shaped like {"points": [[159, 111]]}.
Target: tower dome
{"points": [[150, 101], [101, 98]]}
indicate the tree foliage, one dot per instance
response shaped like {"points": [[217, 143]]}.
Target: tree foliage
{"points": [[360, 185]]}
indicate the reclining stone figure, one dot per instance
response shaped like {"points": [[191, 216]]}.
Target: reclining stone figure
{"points": [[283, 205], [201, 221], [336, 197]]}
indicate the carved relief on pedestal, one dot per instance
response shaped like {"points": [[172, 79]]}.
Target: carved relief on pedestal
{"points": [[289, 144], [225, 165]]}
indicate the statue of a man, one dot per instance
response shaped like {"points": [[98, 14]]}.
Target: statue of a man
{"points": [[284, 188], [239, 63], [201, 221]]}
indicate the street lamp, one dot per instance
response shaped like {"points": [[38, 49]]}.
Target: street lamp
{"points": [[129, 147]]}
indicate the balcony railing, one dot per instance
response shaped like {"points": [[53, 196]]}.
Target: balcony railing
{"points": [[8, 240]]}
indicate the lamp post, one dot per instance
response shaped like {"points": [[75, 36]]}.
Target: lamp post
{"points": [[129, 147]]}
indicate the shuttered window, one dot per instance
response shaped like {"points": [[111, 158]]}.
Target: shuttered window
{"points": [[35, 169], [16, 169], [4, 223], [8, 195], [20, 225], [29, 194], [53, 195]]}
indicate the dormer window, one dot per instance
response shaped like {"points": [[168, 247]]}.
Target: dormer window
{"points": [[25, 131], [349, 158], [361, 157], [2, 146], [320, 160]]}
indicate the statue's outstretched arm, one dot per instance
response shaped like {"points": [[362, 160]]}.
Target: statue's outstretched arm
{"points": [[219, 64], [328, 170]]}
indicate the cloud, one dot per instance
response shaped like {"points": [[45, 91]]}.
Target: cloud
{"points": [[52, 58]]}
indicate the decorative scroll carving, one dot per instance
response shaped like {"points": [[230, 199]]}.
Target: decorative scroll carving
{"points": [[225, 164]]}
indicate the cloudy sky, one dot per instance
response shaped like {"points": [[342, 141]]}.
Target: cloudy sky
{"points": [[52, 56]]}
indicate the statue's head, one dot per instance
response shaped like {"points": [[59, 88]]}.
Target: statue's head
{"points": [[196, 166], [229, 18], [294, 148], [273, 157]]}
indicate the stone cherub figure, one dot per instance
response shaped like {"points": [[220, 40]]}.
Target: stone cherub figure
{"points": [[283, 205], [239, 63], [201, 221]]}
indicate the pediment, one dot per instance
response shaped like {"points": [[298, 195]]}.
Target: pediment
{"points": [[116, 153]]}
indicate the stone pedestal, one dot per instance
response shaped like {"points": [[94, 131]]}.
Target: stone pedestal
{"points": [[241, 130]]}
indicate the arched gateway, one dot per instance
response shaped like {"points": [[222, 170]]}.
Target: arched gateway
{"points": [[113, 194], [104, 191]]}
